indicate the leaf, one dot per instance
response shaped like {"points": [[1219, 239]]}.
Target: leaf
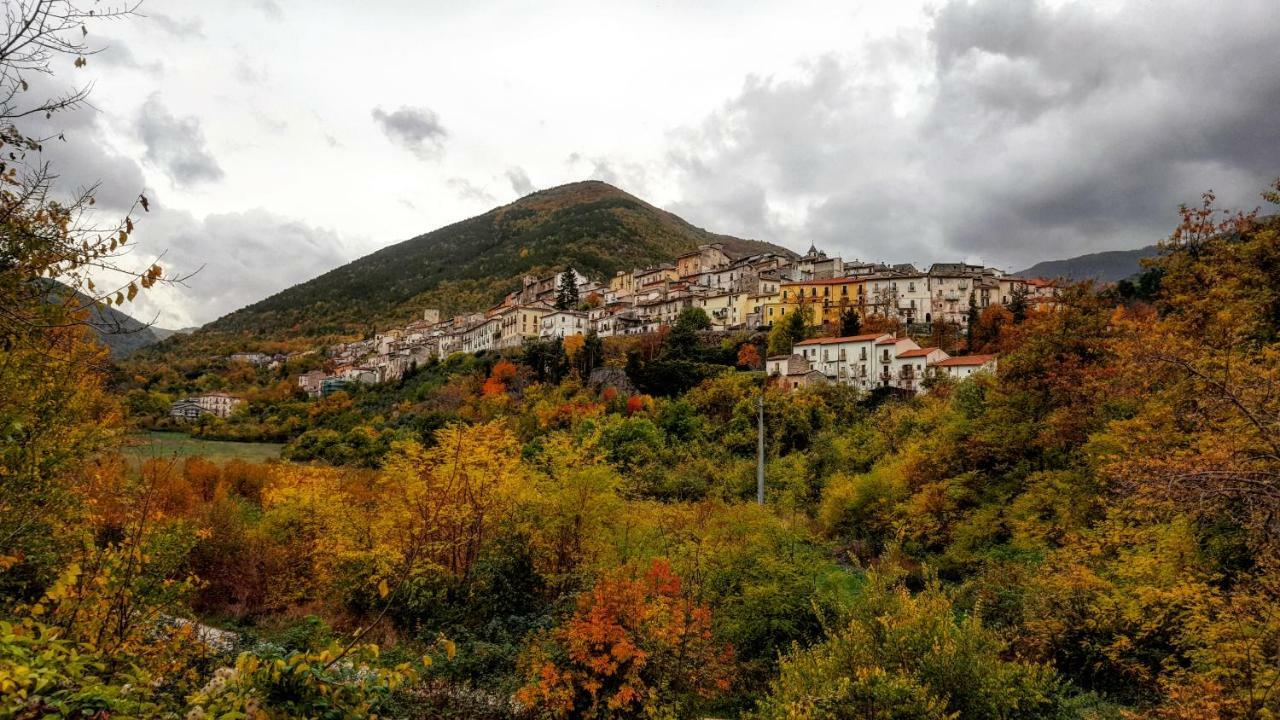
{"points": [[133, 291], [382, 588], [146, 205]]}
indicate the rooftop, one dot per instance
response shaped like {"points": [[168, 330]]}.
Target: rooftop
{"points": [[966, 360], [846, 339]]}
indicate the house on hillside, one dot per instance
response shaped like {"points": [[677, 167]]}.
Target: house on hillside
{"points": [[309, 382], [185, 410], [911, 367], [564, 323], [218, 404], [960, 368], [793, 371], [705, 259]]}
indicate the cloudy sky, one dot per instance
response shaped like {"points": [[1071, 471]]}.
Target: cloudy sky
{"points": [[280, 138]]}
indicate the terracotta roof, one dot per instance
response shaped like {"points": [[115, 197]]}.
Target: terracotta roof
{"points": [[966, 360], [889, 340], [779, 357], [918, 352], [849, 338]]}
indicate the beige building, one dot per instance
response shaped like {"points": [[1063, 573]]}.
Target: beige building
{"points": [[705, 259]]}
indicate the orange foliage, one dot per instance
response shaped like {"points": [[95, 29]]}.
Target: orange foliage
{"points": [[748, 356], [638, 403], [500, 378], [634, 645], [881, 324]]}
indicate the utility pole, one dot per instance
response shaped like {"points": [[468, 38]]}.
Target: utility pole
{"points": [[760, 449]]}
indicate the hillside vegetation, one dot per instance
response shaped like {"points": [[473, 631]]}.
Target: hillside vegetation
{"points": [[1090, 533], [591, 226]]}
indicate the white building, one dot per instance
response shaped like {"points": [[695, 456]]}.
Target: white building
{"points": [[564, 323], [963, 367]]}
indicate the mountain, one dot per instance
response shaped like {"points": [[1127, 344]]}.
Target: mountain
{"points": [[120, 332], [1110, 266], [469, 265]]}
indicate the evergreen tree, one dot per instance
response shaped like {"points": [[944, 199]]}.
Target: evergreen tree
{"points": [[682, 341], [850, 323], [972, 319], [1018, 303], [567, 293]]}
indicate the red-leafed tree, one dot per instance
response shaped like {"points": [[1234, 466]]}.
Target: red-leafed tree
{"points": [[635, 647]]}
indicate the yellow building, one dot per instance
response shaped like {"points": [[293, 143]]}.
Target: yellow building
{"points": [[826, 298]]}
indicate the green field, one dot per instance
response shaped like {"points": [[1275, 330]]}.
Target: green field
{"points": [[147, 445]]}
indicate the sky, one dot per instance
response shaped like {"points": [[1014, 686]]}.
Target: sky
{"points": [[277, 139]]}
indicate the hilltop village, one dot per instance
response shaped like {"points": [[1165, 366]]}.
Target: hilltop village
{"points": [[736, 293]]}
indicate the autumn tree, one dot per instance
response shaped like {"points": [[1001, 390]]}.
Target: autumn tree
{"points": [[749, 356], [635, 647], [899, 655], [52, 405]]}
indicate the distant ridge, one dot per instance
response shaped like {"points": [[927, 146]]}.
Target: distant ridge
{"points": [[122, 333], [1109, 266], [469, 265]]}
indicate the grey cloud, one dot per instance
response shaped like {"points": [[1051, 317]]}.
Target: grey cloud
{"points": [[116, 53], [191, 28], [175, 145], [629, 176], [417, 129], [242, 257], [1035, 132], [79, 154], [270, 8], [520, 182], [467, 190]]}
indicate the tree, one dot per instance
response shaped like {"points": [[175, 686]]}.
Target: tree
{"points": [[636, 647], [850, 323], [53, 409], [567, 292], [1018, 303], [547, 359], [791, 329], [749, 356], [971, 320], [590, 356], [682, 340], [904, 656]]}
